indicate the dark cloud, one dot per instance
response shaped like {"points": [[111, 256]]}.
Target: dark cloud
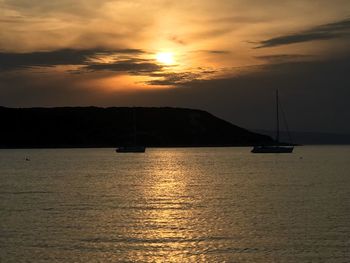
{"points": [[172, 78], [77, 7], [280, 58], [212, 33], [123, 60], [178, 40], [218, 51], [15, 61], [322, 32], [127, 61], [213, 52], [12, 19], [178, 79], [133, 66], [237, 19]]}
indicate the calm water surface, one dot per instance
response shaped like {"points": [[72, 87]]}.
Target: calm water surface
{"points": [[175, 205]]}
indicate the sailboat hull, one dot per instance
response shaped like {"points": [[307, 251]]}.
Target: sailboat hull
{"points": [[131, 149], [273, 149]]}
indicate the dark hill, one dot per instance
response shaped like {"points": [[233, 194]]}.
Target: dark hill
{"points": [[111, 127]]}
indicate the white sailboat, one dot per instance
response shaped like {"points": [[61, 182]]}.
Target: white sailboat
{"points": [[277, 148]]}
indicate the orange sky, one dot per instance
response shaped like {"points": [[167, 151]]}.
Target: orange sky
{"points": [[210, 39]]}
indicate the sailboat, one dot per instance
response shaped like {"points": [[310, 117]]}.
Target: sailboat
{"points": [[277, 148], [131, 149], [134, 148]]}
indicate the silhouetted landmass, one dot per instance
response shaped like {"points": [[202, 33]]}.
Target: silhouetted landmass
{"points": [[111, 127]]}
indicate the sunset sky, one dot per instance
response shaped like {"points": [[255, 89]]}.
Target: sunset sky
{"points": [[224, 56]]}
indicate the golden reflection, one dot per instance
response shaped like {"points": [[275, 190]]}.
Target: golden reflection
{"points": [[168, 217]]}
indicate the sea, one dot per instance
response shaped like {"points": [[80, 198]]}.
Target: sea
{"points": [[175, 205]]}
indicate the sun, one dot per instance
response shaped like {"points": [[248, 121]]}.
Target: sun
{"points": [[166, 58]]}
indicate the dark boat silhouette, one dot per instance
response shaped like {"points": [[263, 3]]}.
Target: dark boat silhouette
{"points": [[277, 148], [272, 149], [134, 148], [131, 149]]}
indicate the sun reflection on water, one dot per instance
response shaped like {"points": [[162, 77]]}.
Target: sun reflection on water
{"points": [[167, 215]]}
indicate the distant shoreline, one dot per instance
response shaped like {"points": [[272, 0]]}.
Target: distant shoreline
{"points": [[86, 127]]}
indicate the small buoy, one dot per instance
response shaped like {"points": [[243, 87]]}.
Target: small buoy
{"points": [[27, 159], [300, 157]]}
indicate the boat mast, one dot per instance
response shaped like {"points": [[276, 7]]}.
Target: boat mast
{"points": [[134, 122], [277, 119]]}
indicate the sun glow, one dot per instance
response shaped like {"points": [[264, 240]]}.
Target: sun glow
{"points": [[165, 58]]}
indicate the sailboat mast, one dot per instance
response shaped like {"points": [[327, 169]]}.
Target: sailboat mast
{"points": [[277, 119], [134, 124]]}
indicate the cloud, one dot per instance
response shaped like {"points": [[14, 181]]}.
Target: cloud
{"points": [[177, 40], [217, 51], [282, 58], [133, 66], [212, 52], [179, 79], [127, 61], [212, 33], [77, 7], [173, 78], [15, 61], [322, 32], [237, 19]]}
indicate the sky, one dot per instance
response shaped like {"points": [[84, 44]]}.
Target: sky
{"points": [[226, 56]]}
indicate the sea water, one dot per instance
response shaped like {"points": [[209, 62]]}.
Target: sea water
{"points": [[175, 205]]}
